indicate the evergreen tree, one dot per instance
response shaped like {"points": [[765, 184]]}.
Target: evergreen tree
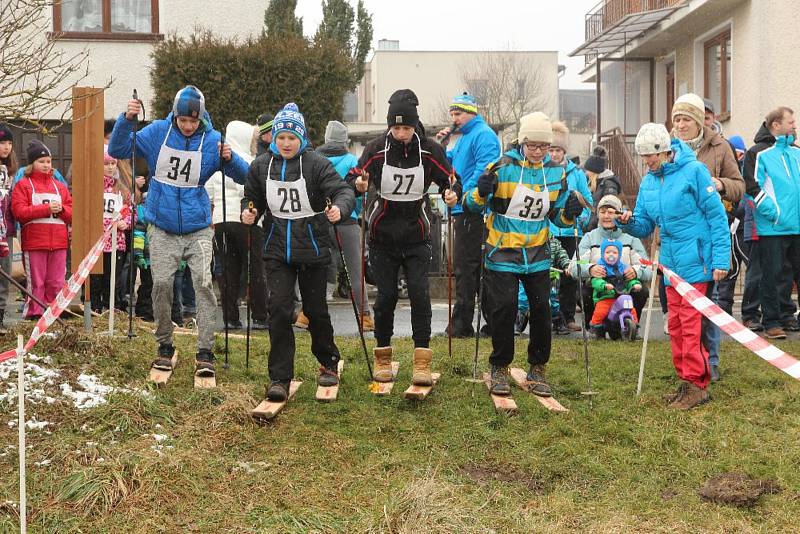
{"points": [[340, 23], [280, 20]]}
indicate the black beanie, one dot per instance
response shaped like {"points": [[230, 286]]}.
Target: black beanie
{"points": [[36, 150], [403, 109], [5, 133], [265, 123], [597, 161]]}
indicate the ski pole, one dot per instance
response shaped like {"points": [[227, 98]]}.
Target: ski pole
{"points": [[224, 292], [352, 296], [584, 334], [654, 255], [247, 336], [480, 295], [450, 277], [131, 271]]}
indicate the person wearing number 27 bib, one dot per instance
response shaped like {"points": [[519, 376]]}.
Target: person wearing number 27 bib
{"points": [[521, 194], [289, 186], [182, 152], [400, 166]]}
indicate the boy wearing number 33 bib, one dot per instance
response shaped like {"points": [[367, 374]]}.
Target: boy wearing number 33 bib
{"points": [[289, 185], [400, 166], [521, 194], [182, 152]]}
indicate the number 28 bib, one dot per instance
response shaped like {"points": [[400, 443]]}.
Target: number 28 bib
{"points": [[527, 204], [180, 168], [288, 200]]}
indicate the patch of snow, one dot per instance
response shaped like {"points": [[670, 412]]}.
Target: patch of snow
{"points": [[33, 424], [43, 463], [160, 437]]}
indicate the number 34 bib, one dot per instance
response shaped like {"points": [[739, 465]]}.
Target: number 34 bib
{"points": [[180, 168]]}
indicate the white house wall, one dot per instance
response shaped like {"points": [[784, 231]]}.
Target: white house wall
{"points": [[129, 63]]}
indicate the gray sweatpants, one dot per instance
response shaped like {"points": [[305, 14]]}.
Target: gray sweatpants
{"points": [[351, 246], [166, 252]]}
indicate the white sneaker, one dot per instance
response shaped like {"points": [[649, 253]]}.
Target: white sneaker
{"points": [[666, 323]]}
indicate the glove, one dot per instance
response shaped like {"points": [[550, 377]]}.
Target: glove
{"points": [[4, 250], [573, 207], [486, 184]]}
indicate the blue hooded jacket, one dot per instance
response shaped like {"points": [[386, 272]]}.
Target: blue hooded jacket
{"points": [[682, 201], [777, 205], [476, 149], [343, 161], [176, 210]]}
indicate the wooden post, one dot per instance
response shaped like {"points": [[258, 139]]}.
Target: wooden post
{"points": [[87, 173]]}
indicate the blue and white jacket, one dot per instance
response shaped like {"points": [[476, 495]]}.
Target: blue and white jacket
{"points": [[176, 210]]}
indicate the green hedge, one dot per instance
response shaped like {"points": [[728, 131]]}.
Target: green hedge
{"points": [[242, 80]]}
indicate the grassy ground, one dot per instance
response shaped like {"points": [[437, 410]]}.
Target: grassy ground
{"points": [[368, 464]]}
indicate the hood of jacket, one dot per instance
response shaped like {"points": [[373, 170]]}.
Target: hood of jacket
{"points": [[681, 155], [239, 135], [763, 135], [330, 150]]}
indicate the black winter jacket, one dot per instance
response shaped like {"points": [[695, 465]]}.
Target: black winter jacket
{"points": [[395, 224], [299, 241]]}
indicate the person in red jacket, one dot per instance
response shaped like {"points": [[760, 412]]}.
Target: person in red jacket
{"points": [[43, 207]]}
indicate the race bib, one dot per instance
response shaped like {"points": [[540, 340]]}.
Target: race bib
{"points": [[402, 185], [289, 200], [528, 205]]}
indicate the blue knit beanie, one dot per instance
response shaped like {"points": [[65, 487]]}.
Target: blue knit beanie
{"points": [[465, 102], [189, 102], [289, 119]]}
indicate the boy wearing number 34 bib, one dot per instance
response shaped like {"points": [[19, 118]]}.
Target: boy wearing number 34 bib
{"points": [[182, 152], [290, 186], [400, 166], [521, 193]]}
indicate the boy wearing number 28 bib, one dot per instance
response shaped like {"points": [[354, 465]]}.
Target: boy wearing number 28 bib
{"points": [[400, 166], [290, 186], [182, 152], [521, 194]]}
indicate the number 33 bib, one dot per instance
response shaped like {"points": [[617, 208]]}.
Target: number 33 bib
{"points": [[180, 168], [527, 204]]}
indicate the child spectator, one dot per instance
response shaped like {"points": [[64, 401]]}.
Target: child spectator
{"points": [[605, 289], [8, 167], [43, 206]]}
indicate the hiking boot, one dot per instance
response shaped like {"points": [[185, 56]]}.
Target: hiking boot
{"points": [[383, 364], [422, 367], [791, 325], [327, 377], [537, 384], [499, 381], [694, 396], [260, 325], [775, 333], [681, 391], [572, 326], [301, 321], [367, 324], [599, 331], [278, 390], [204, 363], [753, 325], [164, 360], [234, 325], [714, 370]]}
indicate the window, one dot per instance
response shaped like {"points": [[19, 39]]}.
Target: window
{"points": [[717, 72], [106, 19]]}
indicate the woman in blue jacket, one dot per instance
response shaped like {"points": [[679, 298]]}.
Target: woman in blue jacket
{"points": [[678, 196], [182, 152]]}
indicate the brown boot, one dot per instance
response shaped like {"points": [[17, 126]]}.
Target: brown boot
{"points": [[694, 396], [422, 367], [672, 397], [383, 364], [367, 324]]}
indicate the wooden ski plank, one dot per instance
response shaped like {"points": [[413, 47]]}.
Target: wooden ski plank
{"points": [[160, 377], [521, 378], [205, 382], [329, 394], [385, 388], [502, 404], [269, 409], [420, 392]]}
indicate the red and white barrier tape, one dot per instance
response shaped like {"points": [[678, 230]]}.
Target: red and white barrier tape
{"points": [[743, 335], [65, 296]]}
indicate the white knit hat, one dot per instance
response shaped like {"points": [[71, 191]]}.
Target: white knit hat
{"points": [[652, 138], [560, 136], [535, 127], [691, 106]]}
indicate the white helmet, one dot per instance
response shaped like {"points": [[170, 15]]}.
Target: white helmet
{"points": [[652, 138]]}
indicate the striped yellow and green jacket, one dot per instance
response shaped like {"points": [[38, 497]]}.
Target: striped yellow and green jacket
{"points": [[515, 245]]}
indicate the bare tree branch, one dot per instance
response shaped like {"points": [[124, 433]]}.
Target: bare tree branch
{"points": [[36, 76]]}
